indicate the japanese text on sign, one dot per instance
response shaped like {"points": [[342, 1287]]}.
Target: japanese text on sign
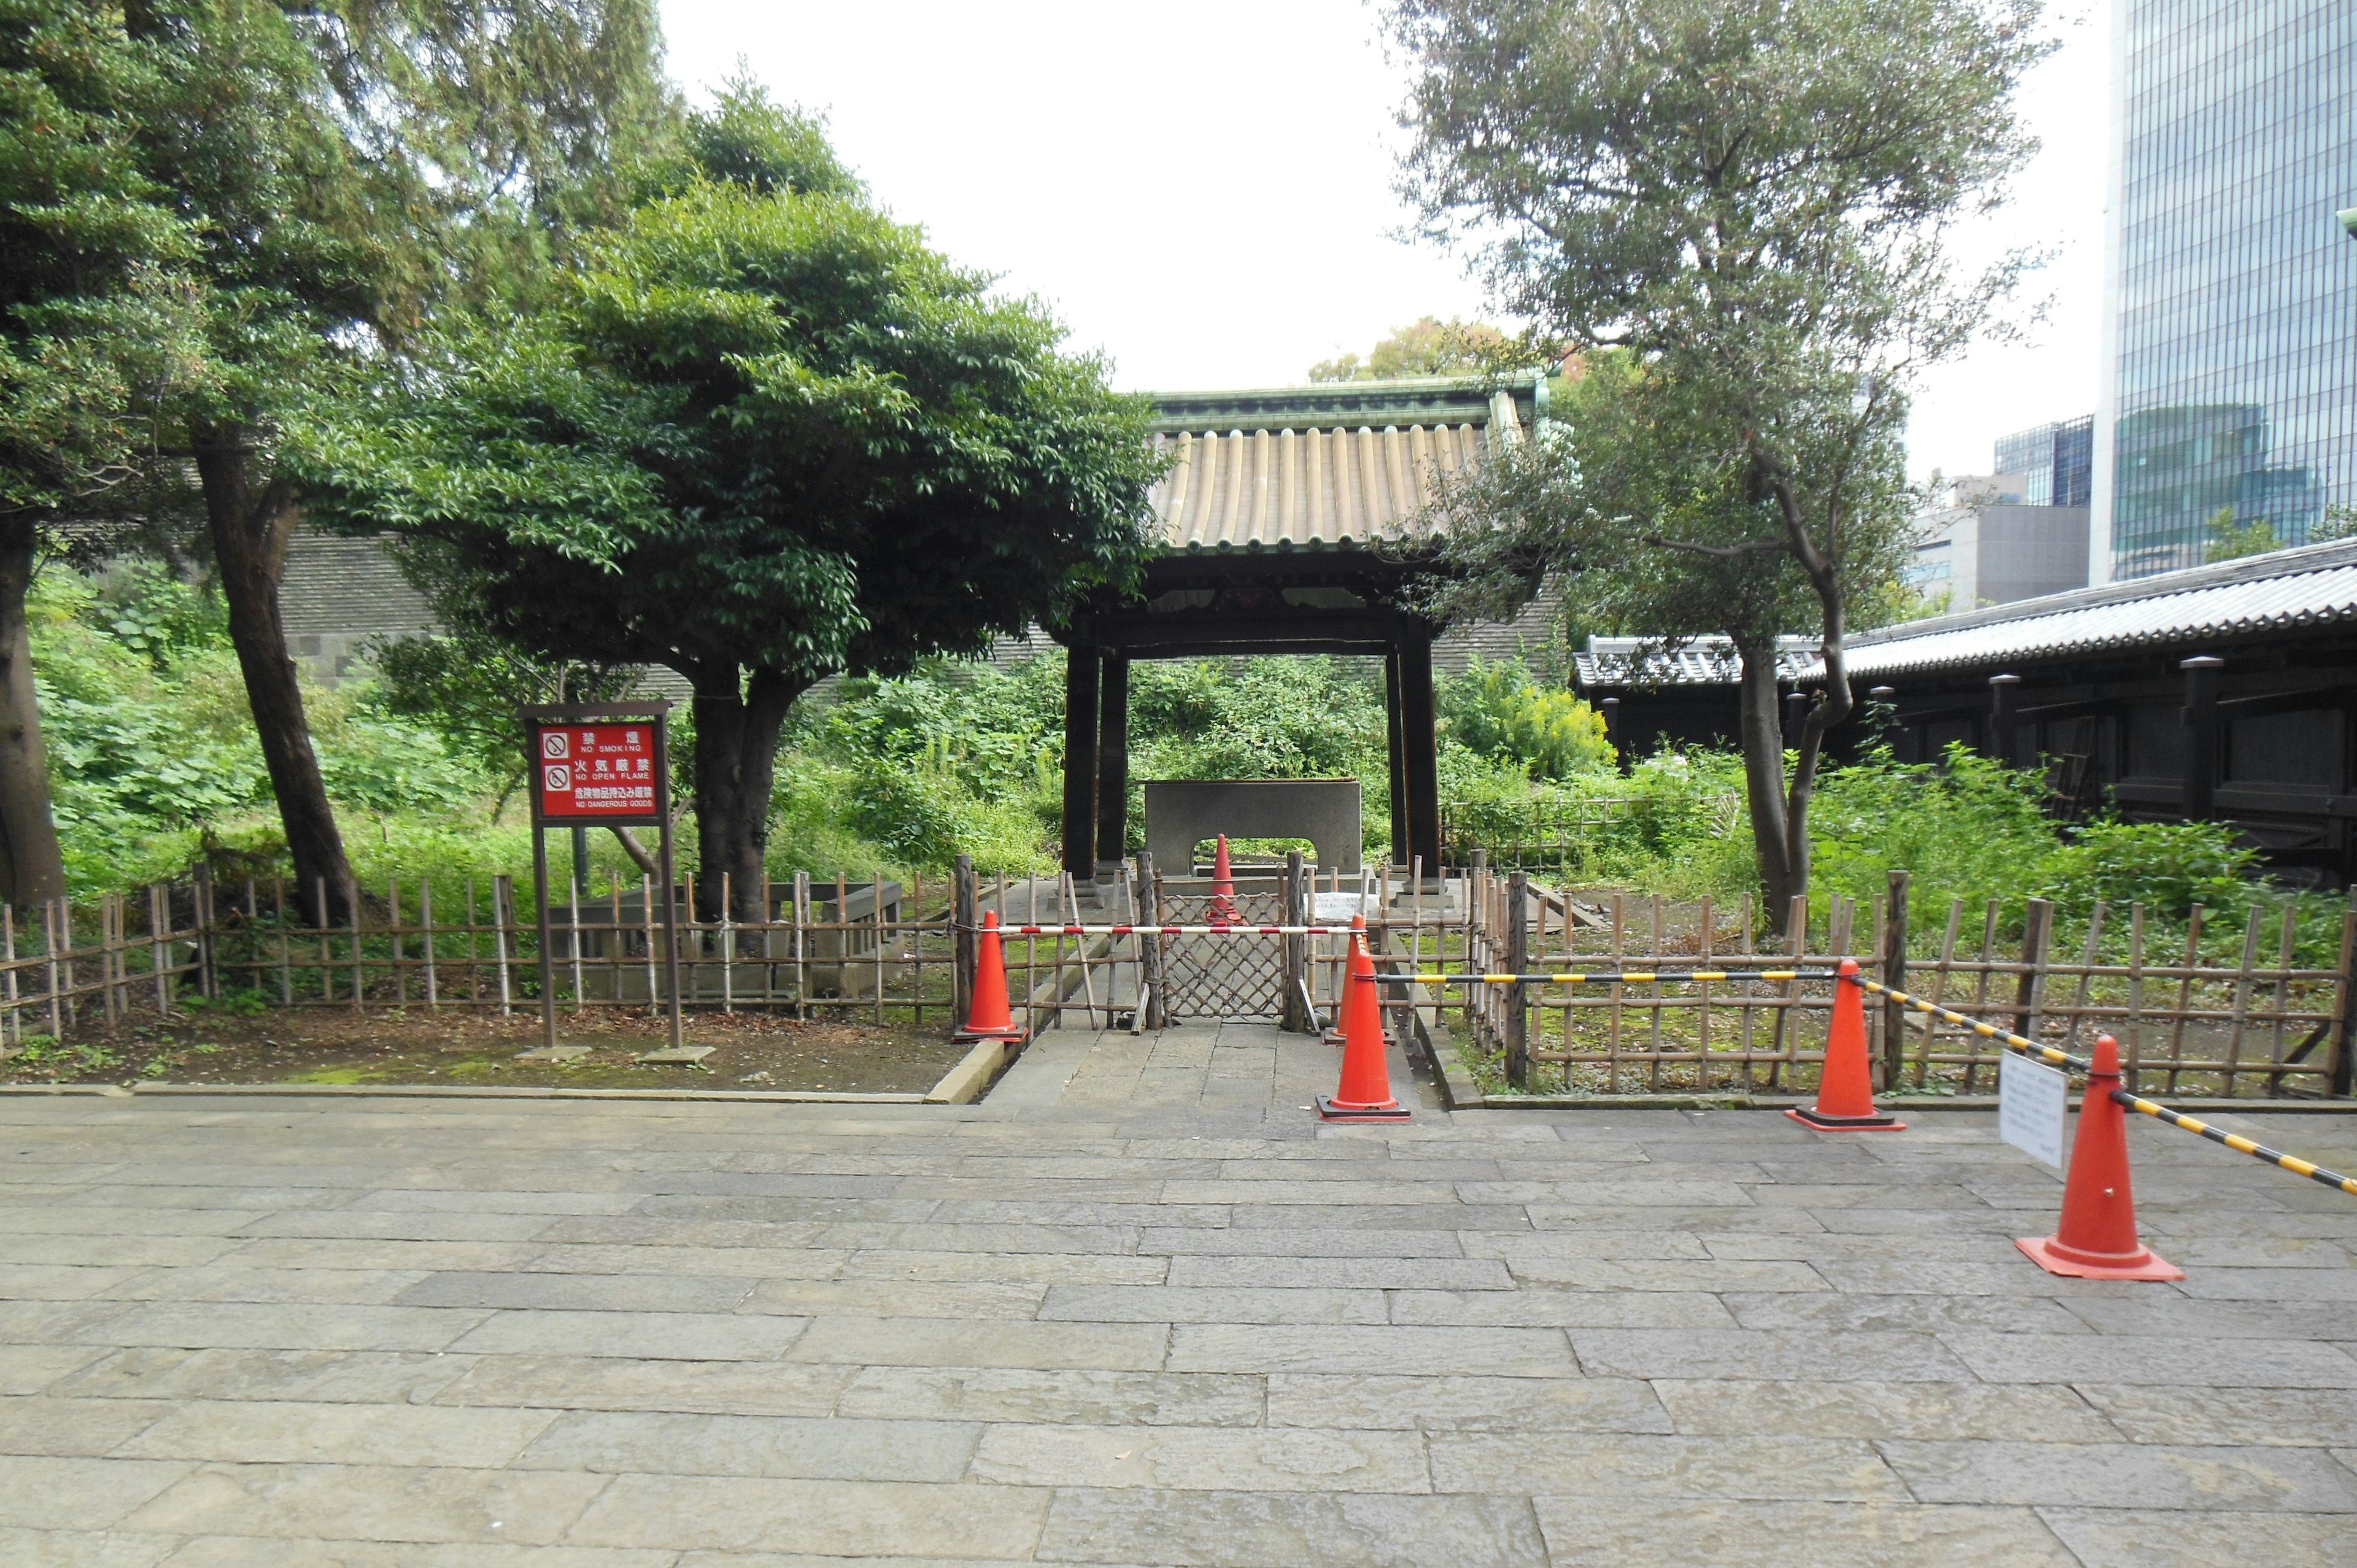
{"points": [[599, 772]]}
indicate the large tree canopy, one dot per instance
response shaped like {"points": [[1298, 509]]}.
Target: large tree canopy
{"points": [[1752, 198], [213, 210], [765, 434]]}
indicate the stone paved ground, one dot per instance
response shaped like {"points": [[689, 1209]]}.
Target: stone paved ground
{"points": [[1138, 1308]]}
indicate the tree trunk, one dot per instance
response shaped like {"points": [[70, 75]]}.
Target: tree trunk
{"points": [[250, 534], [737, 723], [1763, 780], [32, 870]]}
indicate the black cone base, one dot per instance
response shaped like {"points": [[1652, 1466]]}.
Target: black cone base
{"points": [[1809, 1118], [1329, 1112]]}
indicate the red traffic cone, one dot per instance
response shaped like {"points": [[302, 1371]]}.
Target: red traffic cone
{"points": [[2098, 1238], [1365, 1091], [1846, 1085], [1339, 1034], [988, 1018], [1223, 885]]}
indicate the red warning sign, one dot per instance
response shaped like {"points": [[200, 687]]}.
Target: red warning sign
{"points": [[599, 772]]}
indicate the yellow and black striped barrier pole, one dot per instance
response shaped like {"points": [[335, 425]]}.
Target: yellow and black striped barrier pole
{"points": [[1611, 977], [2136, 1103]]}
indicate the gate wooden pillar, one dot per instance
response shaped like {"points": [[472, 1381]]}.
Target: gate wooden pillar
{"points": [[1080, 700], [1393, 738], [1113, 761], [1420, 759]]}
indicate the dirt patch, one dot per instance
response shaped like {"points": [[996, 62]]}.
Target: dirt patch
{"points": [[335, 1045]]}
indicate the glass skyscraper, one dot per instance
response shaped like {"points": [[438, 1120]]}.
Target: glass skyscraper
{"points": [[2231, 309], [2056, 459]]}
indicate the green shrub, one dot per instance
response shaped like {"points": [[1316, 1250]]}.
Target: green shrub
{"points": [[1501, 711], [2168, 868]]}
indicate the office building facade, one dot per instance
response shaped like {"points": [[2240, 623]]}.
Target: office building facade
{"points": [[2017, 534], [2055, 462], [2230, 291]]}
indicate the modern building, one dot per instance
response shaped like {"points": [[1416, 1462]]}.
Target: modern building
{"points": [[2014, 534], [2229, 312], [2056, 462]]}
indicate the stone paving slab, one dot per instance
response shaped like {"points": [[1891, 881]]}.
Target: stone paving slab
{"points": [[1138, 1308]]}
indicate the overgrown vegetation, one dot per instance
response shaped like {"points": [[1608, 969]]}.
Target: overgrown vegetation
{"points": [[155, 766]]}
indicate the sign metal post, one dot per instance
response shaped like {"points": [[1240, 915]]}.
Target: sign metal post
{"points": [[600, 764]]}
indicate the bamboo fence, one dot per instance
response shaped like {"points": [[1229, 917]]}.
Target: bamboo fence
{"points": [[873, 951]]}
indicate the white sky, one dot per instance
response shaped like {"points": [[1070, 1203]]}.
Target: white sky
{"points": [[1205, 193]]}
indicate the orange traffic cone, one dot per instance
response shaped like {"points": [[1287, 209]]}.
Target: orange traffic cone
{"points": [[988, 1018], [1340, 1033], [1365, 1091], [2098, 1238], [1846, 1085], [1223, 885]]}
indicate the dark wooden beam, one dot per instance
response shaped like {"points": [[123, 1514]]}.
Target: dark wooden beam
{"points": [[1112, 760], [1081, 672], [1394, 739], [1419, 747], [1140, 633]]}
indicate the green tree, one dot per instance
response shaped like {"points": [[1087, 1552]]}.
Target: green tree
{"points": [[250, 204], [2230, 541], [1427, 347], [765, 434], [93, 313], [1751, 199]]}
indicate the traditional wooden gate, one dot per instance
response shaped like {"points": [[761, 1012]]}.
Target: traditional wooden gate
{"points": [[1207, 979]]}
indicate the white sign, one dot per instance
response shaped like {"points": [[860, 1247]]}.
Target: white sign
{"points": [[1336, 909], [2032, 1101]]}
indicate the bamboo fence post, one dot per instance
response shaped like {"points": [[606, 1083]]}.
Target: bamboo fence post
{"points": [[573, 885], [15, 1033], [352, 903], [327, 954], [2086, 974], [728, 948], [503, 902], [647, 924], [109, 918], [2185, 993], [2136, 997], [1706, 936], [1516, 1030], [286, 944], [2029, 992], [2241, 1000], [392, 926], [49, 942], [965, 894], [159, 916], [910, 928], [200, 904], [1068, 894], [1980, 994], [614, 938], [253, 939], [686, 933], [426, 935], [801, 928], [1894, 975], [875, 914], [1654, 1034], [1746, 995], [2283, 1003], [1788, 1017]]}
